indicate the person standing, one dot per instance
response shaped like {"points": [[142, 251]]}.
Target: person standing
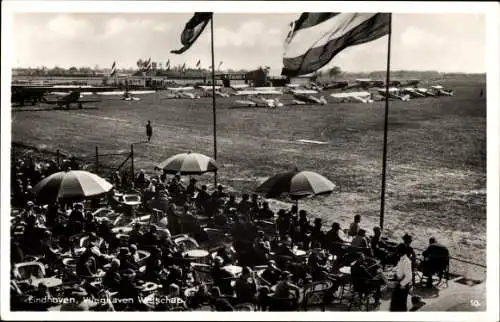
{"points": [[403, 276], [149, 131]]}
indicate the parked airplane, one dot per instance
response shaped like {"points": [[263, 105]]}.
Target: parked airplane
{"points": [[65, 99], [393, 93], [184, 92], [26, 93], [413, 92], [365, 83], [363, 97], [336, 85], [302, 97], [258, 99], [425, 92], [410, 82], [441, 91], [208, 91]]}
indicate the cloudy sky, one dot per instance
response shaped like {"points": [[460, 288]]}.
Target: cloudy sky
{"points": [[450, 42]]}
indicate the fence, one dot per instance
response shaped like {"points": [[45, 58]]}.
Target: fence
{"points": [[95, 162]]}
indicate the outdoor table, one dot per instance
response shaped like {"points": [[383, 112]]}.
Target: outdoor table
{"points": [[299, 252], [345, 270], [233, 269], [49, 282], [196, 253]]}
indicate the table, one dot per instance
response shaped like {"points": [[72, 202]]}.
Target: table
{"points": [[233, 269], [299, 252], [196, 253], [345, 270], [48, 281]]}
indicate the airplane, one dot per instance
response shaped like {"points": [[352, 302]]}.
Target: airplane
{"points": [[127, 95], [410, 82], [365, 83], [336, 85], [27, 93], [393, 94], [413, 92], [184, 92], [441, 91], [363, 97], [65, 99], [258, 99], [425, 91], [208, 91], [302, 97]]}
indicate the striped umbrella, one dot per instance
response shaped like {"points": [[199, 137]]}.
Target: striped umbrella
{"points": [[296, 184], [70, 185], [188, 164]]}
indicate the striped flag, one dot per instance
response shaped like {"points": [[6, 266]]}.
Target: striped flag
{"points": [[167, 65], [113, 69], [315, 38], [198, 64], [193, 29]]}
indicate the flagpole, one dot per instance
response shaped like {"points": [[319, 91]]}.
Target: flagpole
{"points": [[386, 121], [213, 97]]}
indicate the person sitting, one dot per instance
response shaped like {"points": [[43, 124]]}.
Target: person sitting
{"points": [[140, 181], [126, 260], [246, 286], [354, 227], [265, 213], [226, 254], [287, 294], [271, 274], [218, 302], [87, 264], [360, 242], [261, 253], [150, 238], [230, 204], [218, 194], [317, 235], [245, 205], [254, 205], [136, 236], [367, 277], [436, 260], [222, 278], [112, 277], [379, 247], [191, 189], [334, 242], [202, 197], [293, 212], [283, 222], [317, 264]]}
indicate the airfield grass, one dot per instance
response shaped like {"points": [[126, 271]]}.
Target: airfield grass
{"points": [[436, 160]]}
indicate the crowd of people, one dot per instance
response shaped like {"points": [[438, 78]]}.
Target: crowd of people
{"points": [[277, 253]]}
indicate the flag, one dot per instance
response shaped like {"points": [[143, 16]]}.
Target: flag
{"points": [[220, 64], [113, 69], [183, 67], [198, 64], [315, 38], [167, 65], [193, 29], [147, 65]]}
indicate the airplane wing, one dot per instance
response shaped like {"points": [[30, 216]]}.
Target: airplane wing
{"points": [[246, 103]]}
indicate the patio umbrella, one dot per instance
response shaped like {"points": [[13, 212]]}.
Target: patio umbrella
{"points": [[75, 184], [296, 184], [188, 164]]}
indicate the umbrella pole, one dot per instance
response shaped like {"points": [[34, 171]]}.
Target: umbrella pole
{"points": [[297, 204], [215, 179]]}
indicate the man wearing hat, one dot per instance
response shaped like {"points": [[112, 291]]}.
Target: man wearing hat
{"points": [[246, 286], [287, 294], [272, 273], [265, 212], [112, 277], [245, 205]]}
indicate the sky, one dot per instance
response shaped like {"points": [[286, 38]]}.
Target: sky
{"points": [[446, 42]]}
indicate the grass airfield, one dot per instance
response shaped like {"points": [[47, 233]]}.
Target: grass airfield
{"points": [[436, 175]]}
